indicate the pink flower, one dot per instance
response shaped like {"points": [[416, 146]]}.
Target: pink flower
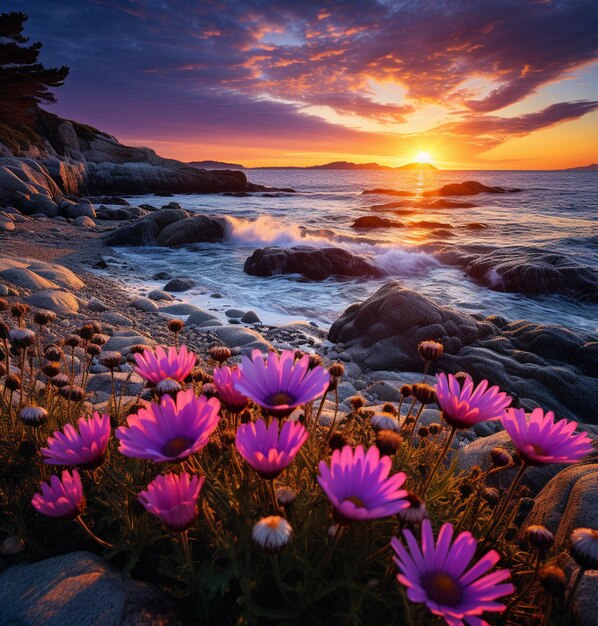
{"points": [[279, 384], [540, 440], [435, 574], [173, 499], [86, 447], [60, 498], [161, 366], [169, 431], [268, 451], [358, 486], [462, 407], [225, 379]]}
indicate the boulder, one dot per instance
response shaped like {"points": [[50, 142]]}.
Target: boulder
{"points": [[568, 501], [468, 188], [27, 279], [7, 225], [524, 270], [540, 365], [120, 213], [196, 229], [312, 263], [250, 317], [22, 178], [373, 221], [179, 308], [203, 318], [57, 274], [38, 203], [158, 294], [57, 300], [144, 304], [145, 231], [80, 588], [73, 211], [84, 222], [180, 284]]}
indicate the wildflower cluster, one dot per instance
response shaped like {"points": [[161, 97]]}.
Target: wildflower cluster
{"points": [[226, 482]]}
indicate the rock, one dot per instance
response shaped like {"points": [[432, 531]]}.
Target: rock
{"points": [[142, 233], [57, 300], [123, 340], [384, 391], [80, 588], [84, 221], [22, 178], [234, 313], [468, 188], [202, 318], [96, 305], [110, 200], [57, 274], [3, 290], [27, 279], [7, 226], [312, 263], [102, 383], [250, 317], [38, 203], [373, 221], [568, 501], [158, 294], [244, 338], [120, 213], [541, 365], [389, 325], [73, 211], [180, 284], [116, 319], [196, 229], [585, 602], [517, 269], [144, 304], [180, 308]]}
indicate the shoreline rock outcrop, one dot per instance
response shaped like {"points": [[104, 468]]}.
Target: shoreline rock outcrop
{"points": [[541, 365], [311, 263]]}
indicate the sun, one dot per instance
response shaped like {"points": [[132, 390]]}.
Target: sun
{"points": [[423, 157]]}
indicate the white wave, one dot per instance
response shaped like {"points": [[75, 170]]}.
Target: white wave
{"points": [[266, 230]]}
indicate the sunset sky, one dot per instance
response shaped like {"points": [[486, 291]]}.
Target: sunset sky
{"points": [[481, 84]]}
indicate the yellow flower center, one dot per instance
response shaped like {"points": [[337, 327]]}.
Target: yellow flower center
{"points": [[175, 446], [276, 399], [358, 502], [442, 588]]}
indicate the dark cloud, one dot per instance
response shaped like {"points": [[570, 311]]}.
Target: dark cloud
{"points": [[183, 68]]}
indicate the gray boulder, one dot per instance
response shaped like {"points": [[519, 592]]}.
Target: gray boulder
{"points": [[80, 588], [312, 263], [539, 365], [57, 300], [197, 229], [22, 277], [120, 213], [180, 284]]}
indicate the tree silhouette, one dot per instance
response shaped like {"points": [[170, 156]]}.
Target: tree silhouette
{"points": [[24, 82]]}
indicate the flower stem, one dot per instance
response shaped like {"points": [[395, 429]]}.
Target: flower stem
{"points": [[505, 503], [93, 536], [526, 589], [441, 456], [580, 575], [184, 539]]}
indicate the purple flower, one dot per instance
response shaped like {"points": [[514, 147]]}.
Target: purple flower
{"points": [[435, 574], [225, 379], [280, 384], [60, 498], [173, 499], [358, 486], [268, 451], [540, 440], [169, 431], [162, 366], [462, 407], [86, 447]]}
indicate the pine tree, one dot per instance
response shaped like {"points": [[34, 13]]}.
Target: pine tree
{"points": [[24, 82]]}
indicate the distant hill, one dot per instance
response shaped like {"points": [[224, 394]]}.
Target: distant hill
{"points": [[417, 166], [347, 165], [216, 165], [582, 168]]}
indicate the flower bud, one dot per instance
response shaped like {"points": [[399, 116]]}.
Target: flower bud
{"points": [[175, 326], [272, 533], [111, 360], [500, 457], [539, 537], [357, 402], [4, 305], [491, 495], [220, 353], [72, 341], [87, 332], [430, 350], [53, 353], [21, 338], [388, 441], [406, 391], [435, 428], [13, 382], [336, 370], [426, 394], [552, 578], [44, 317], [584, 547]]}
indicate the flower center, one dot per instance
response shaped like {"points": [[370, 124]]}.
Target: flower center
{"points": [[175, 446], [442, 588], [276, 399], [539, 450], [358, 502]]}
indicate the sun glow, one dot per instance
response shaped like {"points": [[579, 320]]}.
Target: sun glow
{"points": [[423, 157]]}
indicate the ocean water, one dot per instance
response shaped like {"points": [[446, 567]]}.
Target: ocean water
{"points": [[555, 212]]}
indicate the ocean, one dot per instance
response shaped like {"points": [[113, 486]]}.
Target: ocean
{"points": [[555, 212]]}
